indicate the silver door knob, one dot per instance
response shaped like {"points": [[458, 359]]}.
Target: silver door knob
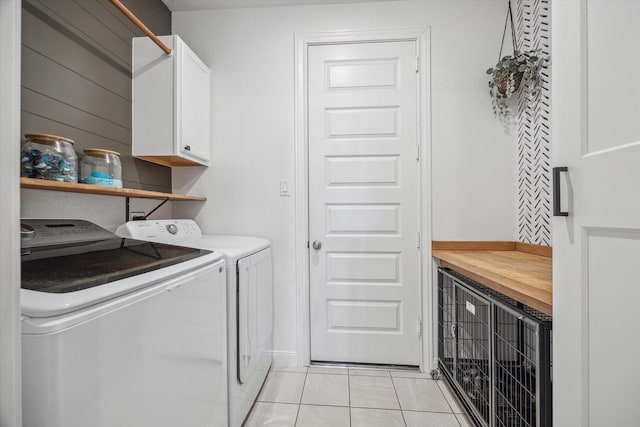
{"points": [[317, 244]]}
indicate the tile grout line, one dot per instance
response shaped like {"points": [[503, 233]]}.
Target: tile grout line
{"points": [[440, 385], [304, 384], [322, 405], [421, 411], [349, 390], [447, 400], [334, 405], [393, 383]]}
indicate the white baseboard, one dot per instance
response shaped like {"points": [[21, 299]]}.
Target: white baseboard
{"points": [[285, 358]]}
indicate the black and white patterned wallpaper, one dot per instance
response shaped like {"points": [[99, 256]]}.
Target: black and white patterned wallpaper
{"points": [[533, 31]]}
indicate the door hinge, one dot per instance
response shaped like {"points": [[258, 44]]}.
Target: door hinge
{"points": [[417, 152], [417, 64], [418, 240], [419, 328]]}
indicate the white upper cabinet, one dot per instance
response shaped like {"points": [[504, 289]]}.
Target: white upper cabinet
{"points": [[170, 104]]}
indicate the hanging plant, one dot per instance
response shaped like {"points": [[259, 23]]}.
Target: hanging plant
{"points": [[507, 76]]}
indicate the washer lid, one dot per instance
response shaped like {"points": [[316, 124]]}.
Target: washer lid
{"points": [[52, 305], [70, 264], [99, 263]]}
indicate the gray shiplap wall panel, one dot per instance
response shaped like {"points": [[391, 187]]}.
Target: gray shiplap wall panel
{"points": [[107, 14], [60, 48], [76, 77], [155, 15], [128, 29], [58, 82], [133, 170], [70, 14], [61, 25], [44, 106]]}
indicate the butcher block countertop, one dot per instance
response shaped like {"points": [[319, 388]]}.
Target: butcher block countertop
{"points": [[519, 271]]}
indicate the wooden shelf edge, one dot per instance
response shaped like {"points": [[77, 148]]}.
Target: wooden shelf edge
{"points": [[498, 285], [455, 245], [541, 250], [70, 187]]}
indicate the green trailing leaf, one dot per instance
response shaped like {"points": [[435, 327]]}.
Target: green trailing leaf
{"points": [[527, 63]]}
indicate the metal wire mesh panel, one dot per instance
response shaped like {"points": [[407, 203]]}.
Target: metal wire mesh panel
{"points": [[516, 364], [495, 352], [446, 323], [472, 371]]}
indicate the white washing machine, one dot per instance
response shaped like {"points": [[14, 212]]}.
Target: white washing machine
{"points": [[249, 302], [117, 332]]}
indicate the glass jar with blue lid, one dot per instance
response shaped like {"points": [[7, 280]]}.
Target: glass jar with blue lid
{"points": [[51, 157], [101, 167]]}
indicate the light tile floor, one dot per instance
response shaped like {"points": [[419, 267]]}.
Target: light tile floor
{"points": [[346, 397]]}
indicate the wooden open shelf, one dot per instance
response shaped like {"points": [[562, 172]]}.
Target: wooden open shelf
{"points": [[41, 184]]}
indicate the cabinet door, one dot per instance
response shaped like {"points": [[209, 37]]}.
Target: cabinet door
{"points": [[192, 97], [596, 248]]}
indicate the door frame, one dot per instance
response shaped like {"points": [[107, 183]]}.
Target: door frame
{"points": [[10, 327], [421, 36]]}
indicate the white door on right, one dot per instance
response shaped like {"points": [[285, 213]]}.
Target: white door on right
{"points": [[596, 249], [364, 203]]}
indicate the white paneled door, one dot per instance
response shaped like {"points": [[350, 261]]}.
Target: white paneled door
{"points": [[596, 248], [364, 203]]}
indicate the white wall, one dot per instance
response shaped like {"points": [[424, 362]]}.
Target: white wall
{"points": [[106, 211], [251, 55], [10, 363]]}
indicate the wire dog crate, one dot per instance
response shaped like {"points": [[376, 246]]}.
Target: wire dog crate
{"points": [[495, 353]]}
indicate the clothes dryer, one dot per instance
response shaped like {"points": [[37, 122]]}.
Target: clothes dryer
{"points": [[249, 302]]}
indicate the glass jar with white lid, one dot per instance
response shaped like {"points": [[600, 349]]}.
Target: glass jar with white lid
{"points": [[101, 167], [51, 157]]}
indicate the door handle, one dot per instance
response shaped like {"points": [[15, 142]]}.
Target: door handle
{"points": [[556, 191], [317, 244]]}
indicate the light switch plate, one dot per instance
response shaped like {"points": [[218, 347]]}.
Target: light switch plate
{"points": [[284, 188]]}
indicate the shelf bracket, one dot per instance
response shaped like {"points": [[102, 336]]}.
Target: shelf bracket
{"points": [[128, 209], [156, 208]]}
